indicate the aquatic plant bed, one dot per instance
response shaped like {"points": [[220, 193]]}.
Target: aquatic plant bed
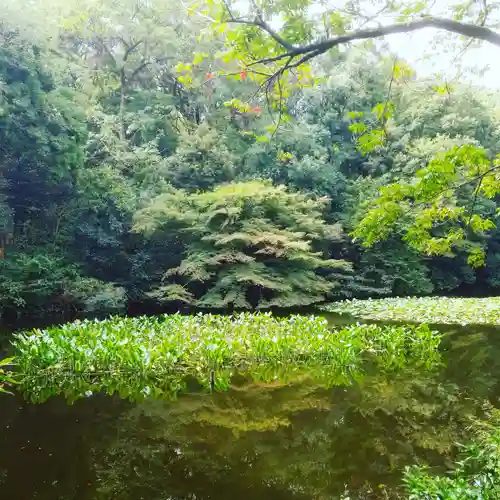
{"points": [[433, 310], [154, 355]]}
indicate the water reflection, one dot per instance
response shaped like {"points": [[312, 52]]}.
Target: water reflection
{"points": [[259, 440]]}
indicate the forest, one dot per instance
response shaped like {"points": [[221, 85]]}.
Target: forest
{"points": [[144, 167], [257, 247]]}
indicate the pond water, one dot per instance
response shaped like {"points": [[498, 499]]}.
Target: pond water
{"points": [[265, 441]]}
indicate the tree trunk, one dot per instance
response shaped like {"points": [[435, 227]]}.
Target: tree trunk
{"points": [[121, 114]]}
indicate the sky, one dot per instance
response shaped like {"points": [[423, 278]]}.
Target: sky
{"points": [[480, 65], [419, 49]]}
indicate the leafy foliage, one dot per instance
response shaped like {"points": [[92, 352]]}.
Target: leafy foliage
{"points": [[107, 110], [476, 474], [250, 244], [6, 377], [41, 279], [136, 357], [202, 161], [427, 210]]}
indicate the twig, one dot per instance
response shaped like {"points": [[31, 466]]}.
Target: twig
{"points": [[466, 29], [389, 90], [260, 23]]}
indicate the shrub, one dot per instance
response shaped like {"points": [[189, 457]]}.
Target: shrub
{"points": [[476, 475]]}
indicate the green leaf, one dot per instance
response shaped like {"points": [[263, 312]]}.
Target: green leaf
{"points": [[7, 361]]}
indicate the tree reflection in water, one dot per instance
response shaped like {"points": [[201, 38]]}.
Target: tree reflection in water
{"points": [[261, 439]]}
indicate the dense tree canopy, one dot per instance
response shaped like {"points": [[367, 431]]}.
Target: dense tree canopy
{"points": [[250, 244], [161, 153]]}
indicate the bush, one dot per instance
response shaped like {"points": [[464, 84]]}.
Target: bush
{"points": [[45, 281]]}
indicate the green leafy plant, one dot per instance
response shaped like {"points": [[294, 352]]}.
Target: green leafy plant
{"points": [[476, 475], [6, 377], [249, 244], [428, 211], [136, 357], [43, 280]]}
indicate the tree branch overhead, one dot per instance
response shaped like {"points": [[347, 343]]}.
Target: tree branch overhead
{"points": [[311, 50]]}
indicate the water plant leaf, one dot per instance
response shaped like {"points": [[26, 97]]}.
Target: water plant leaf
{"points": [[431, 310], [136, 357]]}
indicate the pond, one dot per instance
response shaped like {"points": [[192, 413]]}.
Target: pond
{"points": [[269, 441]]}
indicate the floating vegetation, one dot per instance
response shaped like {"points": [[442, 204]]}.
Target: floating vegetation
{"points": [[433, 310], [6, 377], [159, 356]]}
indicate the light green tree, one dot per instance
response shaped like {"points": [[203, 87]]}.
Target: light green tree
{"points": [[275, 43]]}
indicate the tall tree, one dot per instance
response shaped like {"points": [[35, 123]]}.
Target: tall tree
{"points": [[275, 42], [248, 245]]}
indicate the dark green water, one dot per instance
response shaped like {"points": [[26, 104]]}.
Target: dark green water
{"points": [[266, 442]]}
